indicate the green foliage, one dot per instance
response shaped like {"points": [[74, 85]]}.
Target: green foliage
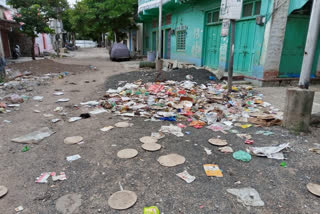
{"points": [[91, 18], [35, 14]]}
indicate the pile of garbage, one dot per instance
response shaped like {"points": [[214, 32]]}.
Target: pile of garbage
{"points": [[200, 105]]}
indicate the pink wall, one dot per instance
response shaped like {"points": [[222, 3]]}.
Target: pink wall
{"points": [[43, 41]]}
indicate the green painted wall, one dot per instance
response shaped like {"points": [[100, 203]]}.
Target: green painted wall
{"points": [[190, 16], [249, 40]]}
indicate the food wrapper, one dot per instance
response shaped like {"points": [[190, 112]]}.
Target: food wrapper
{"points": [[212, 170]]}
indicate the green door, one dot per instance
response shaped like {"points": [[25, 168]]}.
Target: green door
{"points": [[244, 49], [293, 47], [212, 40]]}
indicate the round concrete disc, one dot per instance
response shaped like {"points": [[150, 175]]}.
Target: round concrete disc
{"points": [[73, 140], [314, 188], [171, 160], [151, 147], [217, 142], [3, 191], [122, 125], [122, 200], [148, 139], [127, 153]]}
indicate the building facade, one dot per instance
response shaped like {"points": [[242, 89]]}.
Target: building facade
{"points": [[269, 40]]}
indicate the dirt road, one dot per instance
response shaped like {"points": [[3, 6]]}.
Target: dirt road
{"points": [[97, 174]]}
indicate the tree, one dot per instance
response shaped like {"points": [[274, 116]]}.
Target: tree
{"points": [[34, 15], [92, 18]]}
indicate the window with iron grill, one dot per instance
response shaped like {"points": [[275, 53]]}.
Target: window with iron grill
{"points": [[181, 40]]}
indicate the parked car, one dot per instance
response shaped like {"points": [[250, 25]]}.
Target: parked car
{"points": [[119, 51]]}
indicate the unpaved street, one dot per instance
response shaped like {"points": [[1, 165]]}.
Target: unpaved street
{"points": [[99, 172]]}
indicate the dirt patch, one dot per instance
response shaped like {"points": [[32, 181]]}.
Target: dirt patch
{"points": [[200, 76], [44, 66]]}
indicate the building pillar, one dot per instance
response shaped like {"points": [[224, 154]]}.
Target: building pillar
{"points": [[273, 38]]}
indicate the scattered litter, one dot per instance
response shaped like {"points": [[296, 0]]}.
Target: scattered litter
{"points": [[7, 121], [316, 149], [90, 103], [43, 179], [73, 140], [273, 152], [249, 142], [186, 176], [157, 135], [265, 120], [55, 120], [98, 111], [58, 109], [38, 98], [212, 170], [148, 139], [181, 125], [107, 128], [127, 153], [34, 137], [189, 77], [3, 191], [60, 177], [208, 151], [245, 126], [85, 115], [122, 200], [58, 93], [175, 130], [245, 136], [266, 133], [62, 100], [242, 155], [36, 111], [25, 149], [247, 196], [218, 142], [151, 147], [73, 158], [226, 149], [314, 188], [151, 210], [74, 119], [48, 115], [13, 105], [283, 164], [18, 209], [123, 125], [171, 160]]}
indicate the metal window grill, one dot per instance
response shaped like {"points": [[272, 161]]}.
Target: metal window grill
{"points": [[181, 40]]}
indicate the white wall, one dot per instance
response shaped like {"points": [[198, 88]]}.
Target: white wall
{"points": [[276, 35], [86, 44]]}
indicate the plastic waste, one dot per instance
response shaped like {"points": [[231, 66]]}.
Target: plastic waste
{"points": [[73, 158], [186, 176], [273, 152], [212, 170], [34, 137], [175, 130], [242, 155], [151, 210], [247, 196], [25, 149]]}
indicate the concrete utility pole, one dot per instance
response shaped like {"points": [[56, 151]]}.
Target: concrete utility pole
{"points": [[159, 62], [231, 54], [311, 45], [298, 103]]}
